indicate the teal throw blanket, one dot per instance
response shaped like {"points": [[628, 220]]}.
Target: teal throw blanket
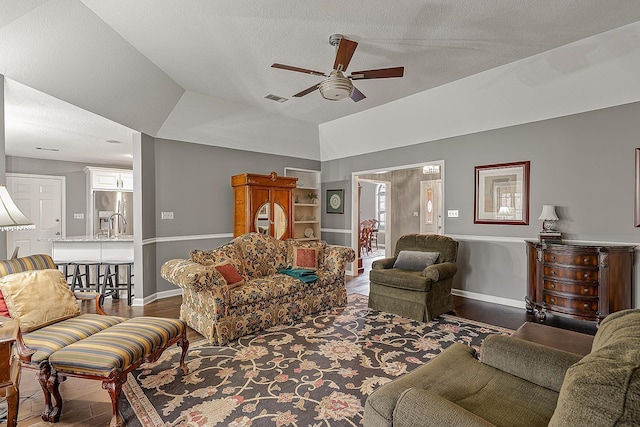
{"points": [[304, 274]]}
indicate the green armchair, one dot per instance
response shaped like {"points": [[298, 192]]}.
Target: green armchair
{"points": [[416, 282], [520, 383]]}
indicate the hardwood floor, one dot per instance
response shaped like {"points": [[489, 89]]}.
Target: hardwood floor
{"points": [[86, 403]]}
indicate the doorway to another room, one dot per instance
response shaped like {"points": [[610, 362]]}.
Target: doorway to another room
{"points": [[402, 200]]}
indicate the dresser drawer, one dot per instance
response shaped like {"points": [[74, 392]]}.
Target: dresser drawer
{"points": [[577, 259], [582, 274], [571, 304], [589, 290]]}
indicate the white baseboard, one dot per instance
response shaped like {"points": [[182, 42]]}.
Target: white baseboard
{"points": [[489, 298], [139, 302]]}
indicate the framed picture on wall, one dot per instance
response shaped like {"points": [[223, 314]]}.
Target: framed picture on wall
{"points": [[502, 194], [335, 201]]}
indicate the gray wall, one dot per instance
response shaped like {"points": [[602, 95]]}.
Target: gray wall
{"points": [[582, 163], [194, 182], [3, 235]]}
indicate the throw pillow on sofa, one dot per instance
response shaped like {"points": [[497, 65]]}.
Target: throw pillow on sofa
{"points": [[230, 274], [415, 260], [38, 298], [305, 255]]}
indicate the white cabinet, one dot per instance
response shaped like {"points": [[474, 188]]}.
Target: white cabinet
{"points": [[306, 208], [109, 179]]}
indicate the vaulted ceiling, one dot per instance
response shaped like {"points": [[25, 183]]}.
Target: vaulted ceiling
{"points": [[80, 73]]}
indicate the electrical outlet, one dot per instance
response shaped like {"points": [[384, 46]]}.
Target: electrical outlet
{"points": [[78, 216], [452, 213], [167, 215]]}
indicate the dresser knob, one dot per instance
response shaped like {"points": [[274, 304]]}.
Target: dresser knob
{"points": [[586, 290], [586, 275], [586, 260], [553, 286], [552, 300], [553, 273], [586, 305]]}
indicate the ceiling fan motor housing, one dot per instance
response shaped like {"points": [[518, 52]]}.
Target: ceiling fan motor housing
{"points": [[336, 87]]}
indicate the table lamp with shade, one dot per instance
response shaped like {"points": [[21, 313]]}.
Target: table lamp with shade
{"points": [[549, 219], [11, 218]]}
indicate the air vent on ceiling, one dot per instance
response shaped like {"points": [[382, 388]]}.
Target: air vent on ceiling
{"points": [[276, 98], [47, 149]]}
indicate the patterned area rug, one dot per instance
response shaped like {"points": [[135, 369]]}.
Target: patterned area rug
{"points": [[317, 372]]}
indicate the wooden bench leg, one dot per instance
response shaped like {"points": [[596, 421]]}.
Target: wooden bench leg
{"points": [[114, 388], [184, 343], [43, 377], [53, 388]]}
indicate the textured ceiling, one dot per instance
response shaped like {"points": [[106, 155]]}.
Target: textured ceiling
{"points": [[198, 71]]}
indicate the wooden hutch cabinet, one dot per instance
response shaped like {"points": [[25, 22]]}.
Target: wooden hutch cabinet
{"points": [[578, 280], [264, 204]]}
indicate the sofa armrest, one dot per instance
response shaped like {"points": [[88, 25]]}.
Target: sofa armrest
{"points": [[335, 259], [418, 407], [436, 272], [191, 275], [383, 264], [536, 363]]}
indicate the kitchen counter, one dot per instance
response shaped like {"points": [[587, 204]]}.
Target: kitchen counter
{"points": [[91, 248]]}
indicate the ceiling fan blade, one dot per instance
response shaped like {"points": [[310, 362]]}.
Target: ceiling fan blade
{"points": [[298, 69], [346, 48], [356, 95], [307, 91], [382, 73]]}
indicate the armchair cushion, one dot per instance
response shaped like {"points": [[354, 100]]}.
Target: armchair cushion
{"points": [[604, 387], [38, 298], [31, 262], [415, 260]]}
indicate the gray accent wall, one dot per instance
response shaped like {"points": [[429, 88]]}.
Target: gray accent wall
{"points": [[194, 182], [583, 164], [3, 235]]}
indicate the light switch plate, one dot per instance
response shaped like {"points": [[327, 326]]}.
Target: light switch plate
{"points": [[452, 213], [167, 215]]}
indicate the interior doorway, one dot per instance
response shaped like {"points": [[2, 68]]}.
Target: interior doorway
{"points": [[404, 205], [41, 199], [431, 206]]}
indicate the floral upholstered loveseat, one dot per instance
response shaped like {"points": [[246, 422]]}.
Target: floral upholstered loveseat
{"points": [[235, 290]]}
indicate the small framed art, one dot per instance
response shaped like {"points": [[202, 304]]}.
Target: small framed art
{"points": [[335, 201], [502, 194]]}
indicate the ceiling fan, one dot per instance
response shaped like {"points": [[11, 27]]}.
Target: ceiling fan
{"points": [[337, 86]]}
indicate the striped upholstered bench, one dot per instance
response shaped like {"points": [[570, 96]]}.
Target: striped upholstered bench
{"points": [[59, 341], [109, 355]]}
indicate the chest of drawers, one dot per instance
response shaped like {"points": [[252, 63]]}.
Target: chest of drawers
{"points": [[581, 281]]}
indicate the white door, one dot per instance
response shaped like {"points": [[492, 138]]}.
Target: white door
{"points": [[431, 207], [40, 199]]}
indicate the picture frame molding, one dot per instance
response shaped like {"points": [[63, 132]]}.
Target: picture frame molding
{"points": [[487, 171]]}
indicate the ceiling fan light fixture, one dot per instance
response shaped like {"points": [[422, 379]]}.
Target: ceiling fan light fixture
{"points": [[336, 87]]}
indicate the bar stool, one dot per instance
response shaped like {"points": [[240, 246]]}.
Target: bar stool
{"points": [[64, 267], [111, 284], [82, 278]]}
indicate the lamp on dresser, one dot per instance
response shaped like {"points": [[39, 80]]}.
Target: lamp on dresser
{"points": [[549, 219]]}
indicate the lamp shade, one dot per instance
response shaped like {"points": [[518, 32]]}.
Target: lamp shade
{"points": [[11, 219], [548, 213]]}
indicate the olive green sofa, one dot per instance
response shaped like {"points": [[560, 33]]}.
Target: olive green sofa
{"points": [[520, 383], [412, 287]]}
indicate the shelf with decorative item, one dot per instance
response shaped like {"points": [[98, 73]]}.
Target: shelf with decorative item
{"points": [[306, 203]]}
